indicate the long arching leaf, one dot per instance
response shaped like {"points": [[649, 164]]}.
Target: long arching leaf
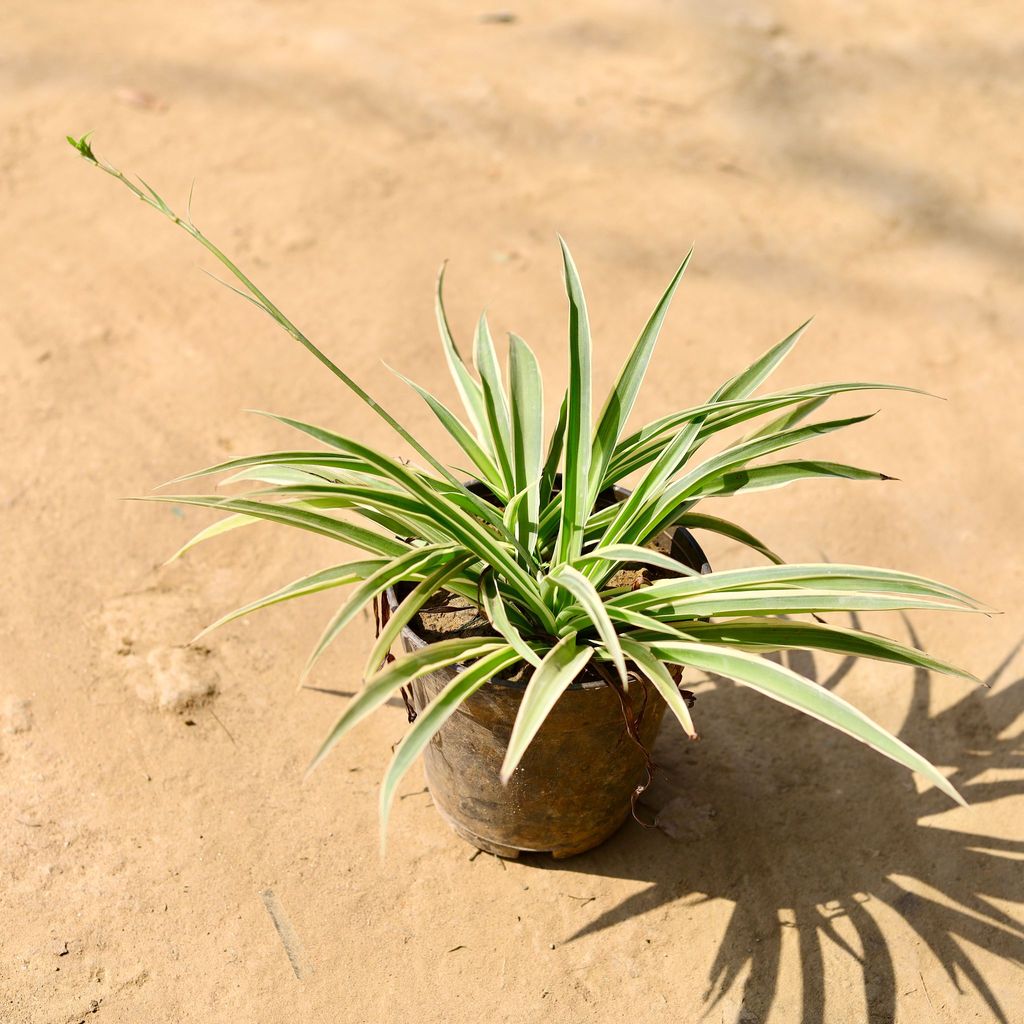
{"points": [[644, 556], [575, 479], [851, 578], [495, 402], [496, 611], [326, 579], [409, 607], [787, 687], [562, 664], [419, 560], [589, 600], [433, 716], [619, 403], [663, 682], [401, 672], [714, 524], [481, 459], [750, 379], [781, 634], [468, 388], [764, 478], [527, 411], [300, 515]]}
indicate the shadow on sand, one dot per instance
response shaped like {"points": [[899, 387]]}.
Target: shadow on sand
{"points": [[824, 833]]}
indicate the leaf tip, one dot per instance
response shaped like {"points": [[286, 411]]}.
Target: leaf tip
{"points": [[205, 631], [306, 670], [508, 769], [955, 794], [566, 253]]}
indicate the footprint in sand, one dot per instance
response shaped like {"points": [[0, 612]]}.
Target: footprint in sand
{"points": [[169, 676]]}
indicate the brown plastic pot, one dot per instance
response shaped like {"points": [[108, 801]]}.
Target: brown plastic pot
{"points": [[572, 789]]}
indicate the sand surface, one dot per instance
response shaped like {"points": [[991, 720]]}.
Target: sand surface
{"points": [[857, 161]]}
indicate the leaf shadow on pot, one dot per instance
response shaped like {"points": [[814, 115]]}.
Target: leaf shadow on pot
{"points": [[825, 832]]}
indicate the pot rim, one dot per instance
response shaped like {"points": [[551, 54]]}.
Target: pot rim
{"points": [[415, 642]]}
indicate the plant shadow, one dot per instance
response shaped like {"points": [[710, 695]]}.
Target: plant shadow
{"points": [[823, 833]]}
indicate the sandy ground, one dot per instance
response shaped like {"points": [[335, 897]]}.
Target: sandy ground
{"points": [[838, 159]]}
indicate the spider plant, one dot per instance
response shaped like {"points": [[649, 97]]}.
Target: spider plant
{"points": [[538, 554]]}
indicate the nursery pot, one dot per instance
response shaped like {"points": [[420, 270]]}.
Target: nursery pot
{"points": [[573, 787]]}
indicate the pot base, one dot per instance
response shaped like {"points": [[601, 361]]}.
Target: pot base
{"points": [[513, 852]]}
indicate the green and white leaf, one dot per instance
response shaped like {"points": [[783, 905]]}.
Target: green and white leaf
{"points": [[401, 672], [575, 477], [325, 579], [468, 388], [430, 720], [409, 607], [481, 460], [527, 433], [787, 687], [417, 561], [217, 529], [782, 635], [619, 403], [555, 674], [587, 597], [714, 524], [640, 654], [496, 611]]}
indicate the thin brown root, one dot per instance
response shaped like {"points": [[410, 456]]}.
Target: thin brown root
{"points": [[643, 705], [381, 615], [410, 711], [631, 721]]}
